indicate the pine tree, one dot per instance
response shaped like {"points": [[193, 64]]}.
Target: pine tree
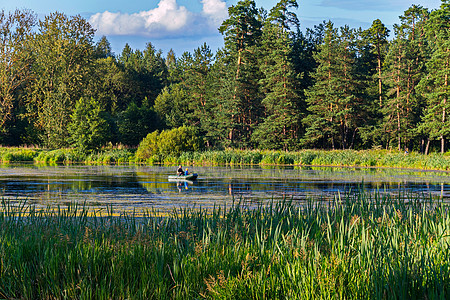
{"points": [[405, 63], [376, 36], [241, 32], [280, 128], [435, 86], [334, 102], [103, 48], [196, 80], [146, 73]]}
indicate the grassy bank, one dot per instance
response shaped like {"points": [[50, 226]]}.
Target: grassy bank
{"points": [[364, 158], [366, 246], [65, 156]]}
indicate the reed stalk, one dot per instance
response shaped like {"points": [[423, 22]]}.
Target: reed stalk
{"points": [[359, 246]]}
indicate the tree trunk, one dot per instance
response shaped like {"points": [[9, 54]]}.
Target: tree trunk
{"points": [[427, 148], [444, 112], [379, 79], [422, 145]]}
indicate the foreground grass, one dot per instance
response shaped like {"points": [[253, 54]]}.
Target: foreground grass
{"points": [[363, 246]]}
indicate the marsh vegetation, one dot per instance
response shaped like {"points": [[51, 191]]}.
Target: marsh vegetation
{"points": [[358, 246]]}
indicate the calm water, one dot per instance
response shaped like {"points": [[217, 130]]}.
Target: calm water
{"points": [[134, 187]]}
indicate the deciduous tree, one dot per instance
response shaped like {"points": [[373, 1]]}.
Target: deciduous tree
{"points": [[62, 67], [16, 29]]}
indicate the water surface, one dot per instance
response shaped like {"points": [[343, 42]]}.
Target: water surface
{"points": [[128, 188]]}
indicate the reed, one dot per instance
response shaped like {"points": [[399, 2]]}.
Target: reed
{"points": [[359, 246], [59, 156], [8, 155], [110, 156], [363, 158], [120, 154]]}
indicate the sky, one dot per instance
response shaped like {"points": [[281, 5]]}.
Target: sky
{"points": [[184, 25]]}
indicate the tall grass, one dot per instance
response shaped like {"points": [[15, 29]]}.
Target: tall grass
{"points": [[66, 156], [8, 155], [364, 158], [112, 155], [359, 246]]}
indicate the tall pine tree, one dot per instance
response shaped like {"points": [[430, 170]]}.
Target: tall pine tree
{"points": [[242, 31], [405, 64], [334, 102], [281, 125], [435, 86]]}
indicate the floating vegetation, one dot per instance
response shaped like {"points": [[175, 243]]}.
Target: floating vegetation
{"points": [[359, 246]]}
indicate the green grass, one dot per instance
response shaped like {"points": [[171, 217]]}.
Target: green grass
{"points": [[363, 158], [360, 246], [8, 155]]}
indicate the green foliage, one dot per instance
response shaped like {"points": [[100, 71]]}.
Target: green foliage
{"points": [[148, 147], [357, 246], [405, 66], [435, 86], [17, 154], [280, 128], [134, 123], [169, 143], [88, 129], [110, 156], [59, 156], [241, 32], [15, 34], [175, 141], [334, 101], [145, 75], [271, 86], [62, 68], [365, 158], [173, 106]]}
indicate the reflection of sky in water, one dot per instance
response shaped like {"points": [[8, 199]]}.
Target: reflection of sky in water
{"points": [[136, 187]]}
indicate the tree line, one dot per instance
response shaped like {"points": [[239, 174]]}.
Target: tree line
{"points": [[271, 86]]}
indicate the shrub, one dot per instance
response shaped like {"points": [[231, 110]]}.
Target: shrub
{"points": [[169, 143], [148, 147]]}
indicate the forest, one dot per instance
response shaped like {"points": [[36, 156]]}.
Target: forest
{"points": [[271, 86]]}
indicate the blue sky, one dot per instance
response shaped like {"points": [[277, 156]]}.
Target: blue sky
{"points": [[186, 24]]}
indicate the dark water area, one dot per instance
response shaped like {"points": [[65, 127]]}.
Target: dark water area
{"points": [[128, 188]]}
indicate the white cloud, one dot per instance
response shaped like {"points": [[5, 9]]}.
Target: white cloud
{"points": [[168, 19], [216, 10]]}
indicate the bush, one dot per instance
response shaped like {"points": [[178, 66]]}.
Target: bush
{"points": [[148, 147], [169, 143]]}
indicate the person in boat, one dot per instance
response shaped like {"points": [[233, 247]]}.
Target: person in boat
{"points": [[180, 170], [187, 171]]}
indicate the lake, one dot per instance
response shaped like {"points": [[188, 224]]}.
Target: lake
{"points": [[128, 188]]}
